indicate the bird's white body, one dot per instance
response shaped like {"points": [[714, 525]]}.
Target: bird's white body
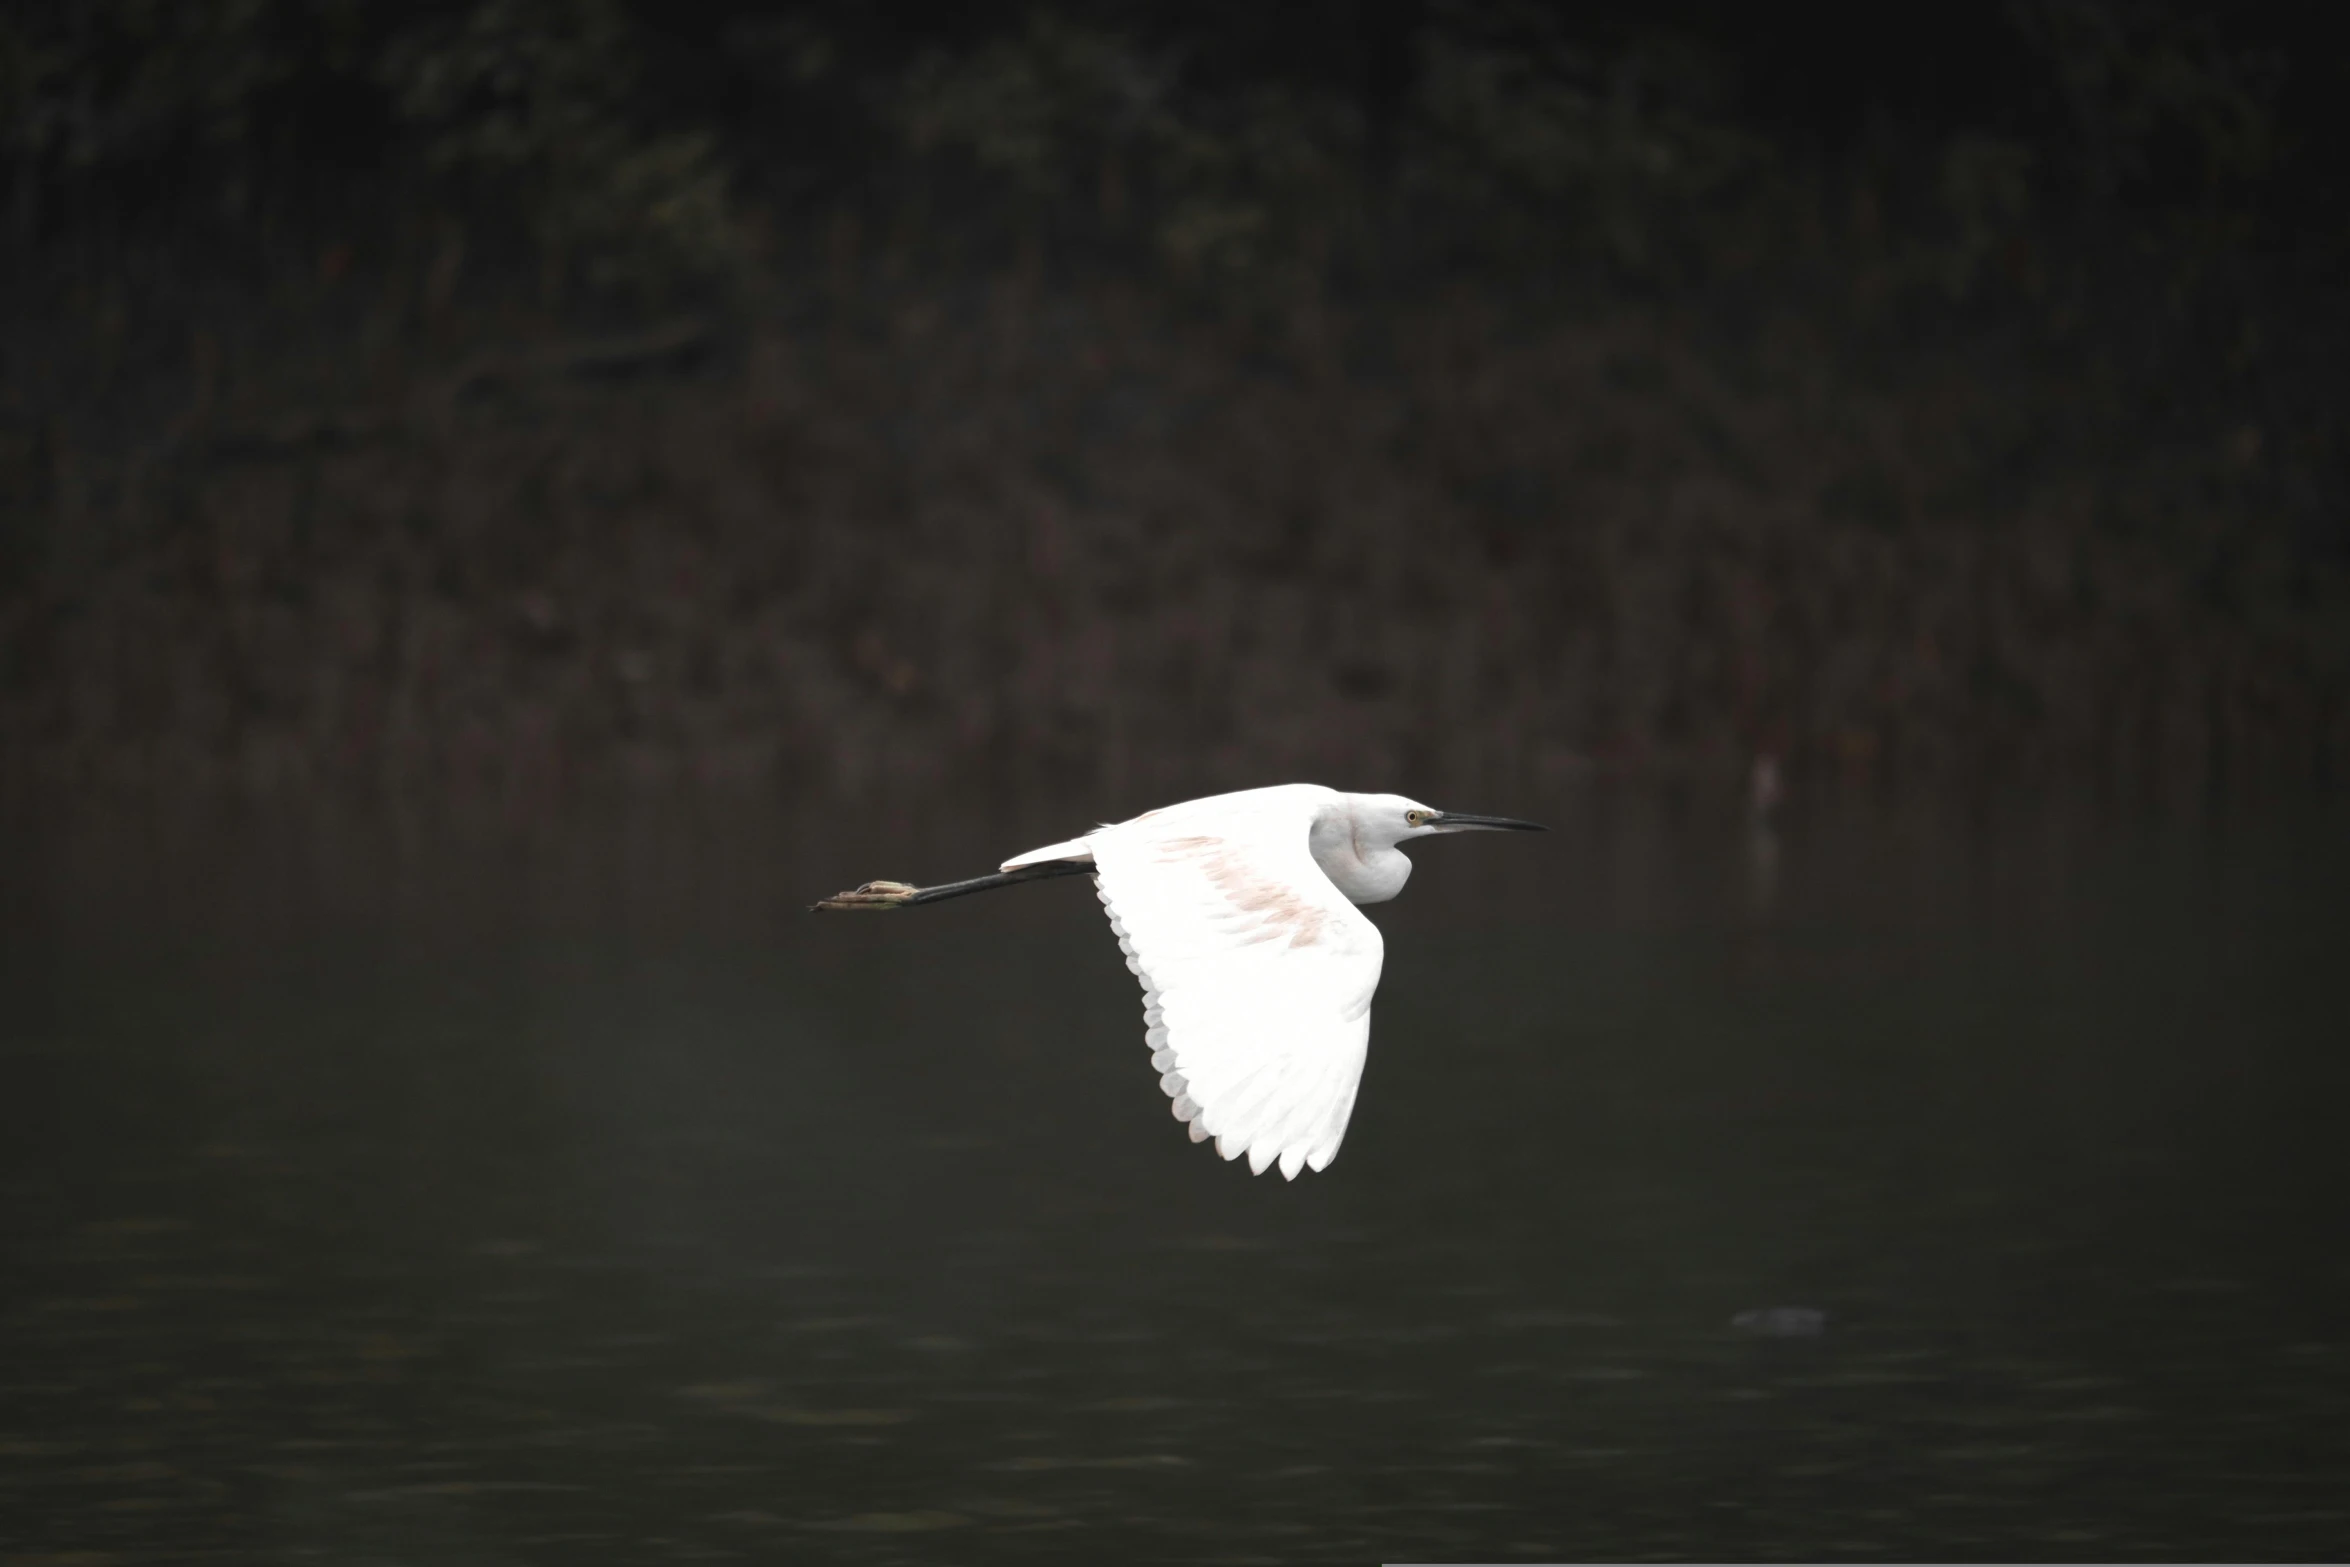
{"points": [[1346, 840], [1237, 913]]}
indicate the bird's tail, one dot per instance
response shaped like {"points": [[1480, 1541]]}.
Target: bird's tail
{"points": [[1074, 849]]}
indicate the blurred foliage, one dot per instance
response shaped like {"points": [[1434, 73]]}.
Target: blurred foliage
{"points": [[1965, 386], [89, 92], [1521, 120], [2152, 93], [542, 96], [614, 133], [189, 119]]}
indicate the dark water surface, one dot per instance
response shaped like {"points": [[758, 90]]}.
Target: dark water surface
{"points": [[380, 1194]]}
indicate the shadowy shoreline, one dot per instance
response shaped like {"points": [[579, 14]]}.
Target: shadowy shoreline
{"points": [[512, 403], [1074, 533]]}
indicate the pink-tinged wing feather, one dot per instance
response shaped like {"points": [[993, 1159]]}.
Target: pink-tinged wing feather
{"points": [[1257, 976]]}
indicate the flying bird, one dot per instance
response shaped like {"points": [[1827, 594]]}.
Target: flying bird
{"points": [[1238, 914]]}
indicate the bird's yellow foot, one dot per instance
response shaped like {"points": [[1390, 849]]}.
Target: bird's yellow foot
{"points": [[872, 895]]}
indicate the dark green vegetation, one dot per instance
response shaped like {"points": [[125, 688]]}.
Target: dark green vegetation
{"points": [[508, 393]]}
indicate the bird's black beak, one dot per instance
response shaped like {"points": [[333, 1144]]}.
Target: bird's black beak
{"points": [[1463, 820]]}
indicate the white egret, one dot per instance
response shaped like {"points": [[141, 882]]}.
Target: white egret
{"points": [[1237, 913]]}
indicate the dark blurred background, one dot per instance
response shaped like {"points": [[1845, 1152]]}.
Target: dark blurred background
{"points": [[497, 397], [504, 501]]}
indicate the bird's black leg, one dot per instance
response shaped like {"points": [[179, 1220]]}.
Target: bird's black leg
{"points": [[900, 895]]}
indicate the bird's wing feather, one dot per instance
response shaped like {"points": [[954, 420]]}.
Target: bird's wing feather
{"points": [[1257, 976]]}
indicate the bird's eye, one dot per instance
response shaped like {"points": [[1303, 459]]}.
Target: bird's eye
{"points": [[1417, 818]]}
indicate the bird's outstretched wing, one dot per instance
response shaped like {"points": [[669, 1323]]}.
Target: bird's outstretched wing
{"points": [[1256, 973]]}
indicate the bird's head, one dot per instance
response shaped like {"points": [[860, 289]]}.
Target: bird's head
{"points": [[1391, 819]]}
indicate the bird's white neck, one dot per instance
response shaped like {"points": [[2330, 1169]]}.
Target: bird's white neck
{"points": [[1366, 869]]}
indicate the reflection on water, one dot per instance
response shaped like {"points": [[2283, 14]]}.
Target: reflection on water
{"points": [[1974, 1193]]}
